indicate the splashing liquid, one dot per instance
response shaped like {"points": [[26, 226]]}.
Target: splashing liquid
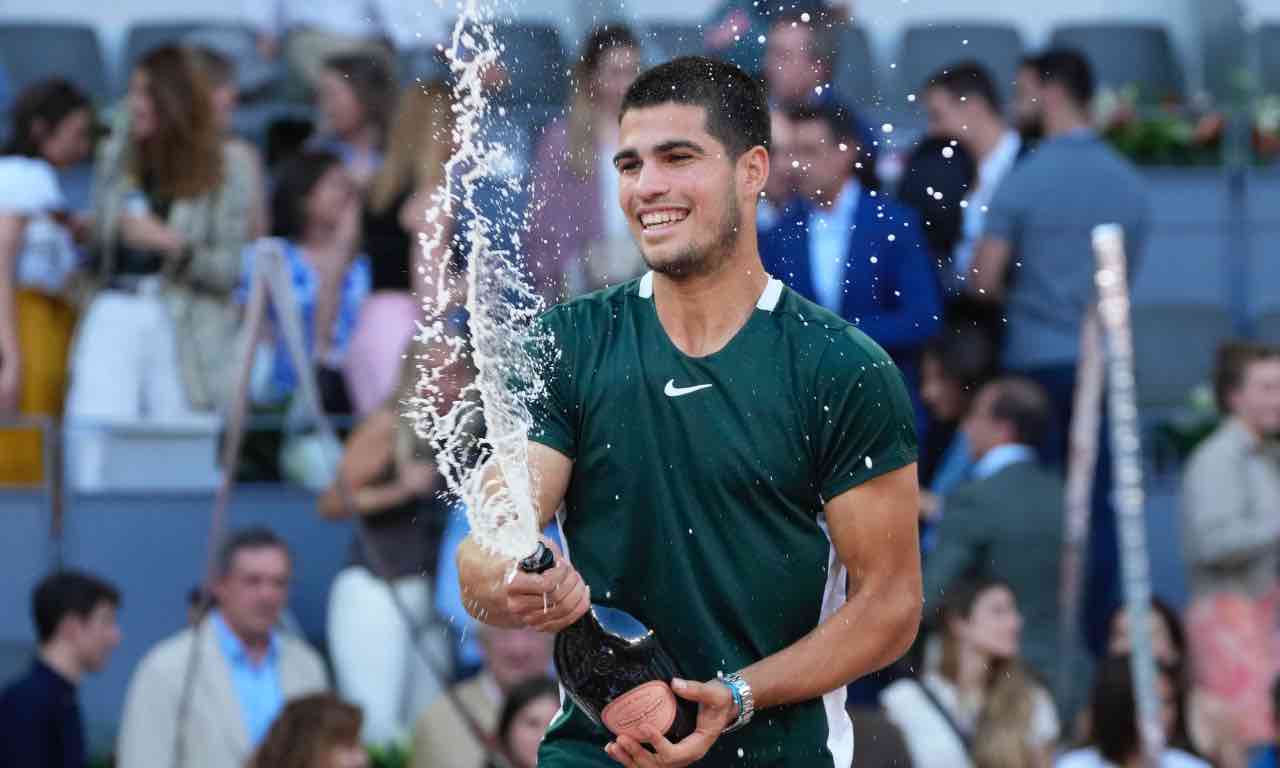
{"points": [[506, 352]]}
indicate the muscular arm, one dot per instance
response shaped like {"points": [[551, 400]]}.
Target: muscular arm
{"points": [[990, 267], [873, 528], [482, 575]]}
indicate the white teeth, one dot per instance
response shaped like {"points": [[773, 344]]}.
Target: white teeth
{"points": [[662, 217]]}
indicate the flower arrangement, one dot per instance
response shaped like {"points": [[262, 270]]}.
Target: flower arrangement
{"points": [[1167, 134]]}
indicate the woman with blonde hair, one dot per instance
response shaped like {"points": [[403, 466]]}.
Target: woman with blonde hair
{"points": [[981, 707], [172, 212], [581, 240], [316, 731], [395, 215]]}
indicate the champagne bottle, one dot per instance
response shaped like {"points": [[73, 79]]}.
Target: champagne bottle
{"points": [[616, 671]]}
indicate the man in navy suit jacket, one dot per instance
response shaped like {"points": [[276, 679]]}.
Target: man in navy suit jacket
{"points": [[850, 248]]}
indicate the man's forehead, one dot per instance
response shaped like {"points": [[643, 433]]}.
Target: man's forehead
{"points": [[645, 127]]}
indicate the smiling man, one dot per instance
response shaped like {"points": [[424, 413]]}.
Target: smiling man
{"points": [[736, 464]]}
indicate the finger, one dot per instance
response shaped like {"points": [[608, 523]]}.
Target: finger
{"points": [[711, 694], [639, 756], [614, 751], [688, 750], [567, 612]]}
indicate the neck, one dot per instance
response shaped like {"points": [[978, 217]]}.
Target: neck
{"points": [[1064, 120], [972, 671], [982, 139], [1252, 429], [62, 660], [317, 237], [701, 314]]}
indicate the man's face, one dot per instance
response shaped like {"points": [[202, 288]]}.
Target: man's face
{"points": [[1257, 401], [1028, 102], [515, 655], [949, 117], [254, 590], [981, 428], [781, 185], [95, 636], [679, 189], [824, 166], [791, 66]]}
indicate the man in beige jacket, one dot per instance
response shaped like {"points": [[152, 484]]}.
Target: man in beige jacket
{"points": [[441, 738], [205, 697]]}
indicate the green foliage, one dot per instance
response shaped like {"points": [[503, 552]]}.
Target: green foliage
{"points": [[389, 756]]}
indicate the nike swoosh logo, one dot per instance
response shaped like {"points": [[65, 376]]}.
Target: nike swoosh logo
{"points": [[672, 390]]}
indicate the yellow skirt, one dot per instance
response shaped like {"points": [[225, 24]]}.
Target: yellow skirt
{"points": [[45, 327]]}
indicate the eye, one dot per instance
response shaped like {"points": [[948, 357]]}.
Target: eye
{"points": [[628, 166], [678, 158]]}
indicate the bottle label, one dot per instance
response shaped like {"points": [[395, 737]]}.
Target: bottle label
{"points": [[652, 703]]}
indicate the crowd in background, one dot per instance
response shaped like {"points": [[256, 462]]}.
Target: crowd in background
{"points": [[974, 272]]}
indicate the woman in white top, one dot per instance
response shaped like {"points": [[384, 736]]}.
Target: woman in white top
{"points": [[980, 707], [1114, 742], [51, 127]]}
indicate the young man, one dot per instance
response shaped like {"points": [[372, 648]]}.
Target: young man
{"points": [[726, 452], [209, 706], [40, 724]]}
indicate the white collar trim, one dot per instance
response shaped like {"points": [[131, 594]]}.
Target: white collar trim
{"points": [[768, 300]]}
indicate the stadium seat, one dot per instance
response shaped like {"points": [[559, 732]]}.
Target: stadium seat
{"points": [[144, 37], [927, 49], [1268, 47], [671, 39], [1128, 54], [535, 62], [1262, 228], [1266, 327], [854, 75], [34, 51], [1174, 346], [1188, 255]]}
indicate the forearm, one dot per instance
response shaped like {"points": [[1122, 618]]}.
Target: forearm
{"points": [[481, 576], [147, 233], [872, 630], [11, 233]]}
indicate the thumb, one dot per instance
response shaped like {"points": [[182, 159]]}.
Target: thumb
{"points": [[703, 693]]}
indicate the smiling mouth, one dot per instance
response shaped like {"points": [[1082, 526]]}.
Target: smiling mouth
{"points": [[658, 220]]}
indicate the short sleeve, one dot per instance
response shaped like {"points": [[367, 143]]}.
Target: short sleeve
{"points": [[1005, 213], [28, 187], [552, 409], [866, 424]]}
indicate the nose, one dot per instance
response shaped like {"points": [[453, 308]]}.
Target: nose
{"points": [[651, 182]]}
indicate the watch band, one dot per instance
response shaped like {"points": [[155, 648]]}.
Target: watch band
{"points": [[743, 697]]}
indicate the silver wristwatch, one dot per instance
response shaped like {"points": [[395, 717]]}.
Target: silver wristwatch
{"points": [[743, 697]]}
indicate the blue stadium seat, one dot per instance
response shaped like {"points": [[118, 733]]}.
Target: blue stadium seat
{"points": [[1268, 47], [146, 36], [927, 49], [1128, 54], [1173, 349], [671, 39], [1262, 227], [1188, 254], [854, 73], [535, 61], [34, 51]]}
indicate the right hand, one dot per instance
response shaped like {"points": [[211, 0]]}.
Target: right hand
{"points": [[10, 383], [549, 601]]}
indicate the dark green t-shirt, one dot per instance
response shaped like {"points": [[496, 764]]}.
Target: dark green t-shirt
{"points": [[696, 498]]}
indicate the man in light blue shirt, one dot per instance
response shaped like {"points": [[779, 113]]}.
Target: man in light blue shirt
{"points": [[255, 677]]}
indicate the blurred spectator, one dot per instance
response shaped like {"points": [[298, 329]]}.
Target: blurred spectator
{"points": [[1268, 756], [526, 713], [1034, 259], [40, 721], [389, 475], [206, 696], [734, 29], [172, 210], [315, 731], [1026, 102], [308, 32], [879, 743], [442, 738], [851, 249], [220, 70], [1200, 725], [800, 55], [936, 175], [1006, 523], [396, 211], [780, 190], [357, 97], [315, 214], [981, 707], [963, 104], [1115, 740], [1231, 534], [579, 238], [1231, 488], [954, 366], [51, 130]]}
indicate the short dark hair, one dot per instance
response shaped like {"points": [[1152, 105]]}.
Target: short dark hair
{"points": [[844, 127], [1022, 403], [68, 593], [966, 355], [967, 79], [821, 24], [737, 111], [296, 178], [50, 101], [1234, 359], [602, 40], [243, 540], [1070, 69]]}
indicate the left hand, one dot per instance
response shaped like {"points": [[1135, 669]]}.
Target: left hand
{"points": [[716, 711]]}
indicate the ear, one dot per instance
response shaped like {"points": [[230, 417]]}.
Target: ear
{"points": [[753, 171]]}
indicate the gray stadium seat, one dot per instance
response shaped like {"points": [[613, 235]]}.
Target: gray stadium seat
{"points": [[1125, 54], [1188, 254], [144, 37], [927, 49], [34, 51], [1268, 47], [1174, 346], [671, 39], [535, 61], [1262, 228], [854, 76], [1266, 327]]}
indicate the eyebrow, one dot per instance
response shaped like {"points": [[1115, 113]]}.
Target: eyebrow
{"points": [[666, 146]]}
